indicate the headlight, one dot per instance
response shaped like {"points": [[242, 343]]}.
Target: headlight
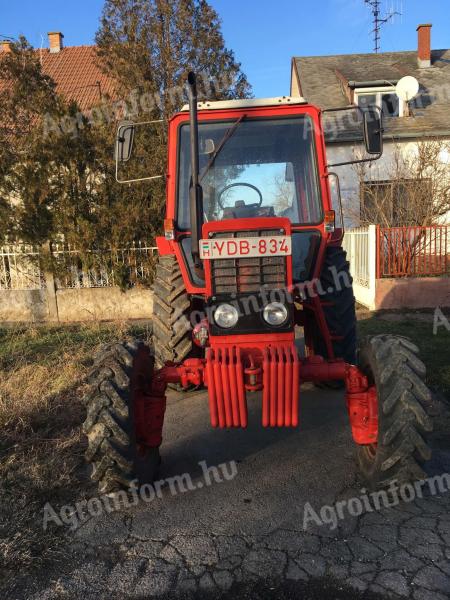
{"points": [[226, 316], [275, 313]]}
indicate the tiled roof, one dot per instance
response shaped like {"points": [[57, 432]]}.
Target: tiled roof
{"points": [[77, 75], [321, 79]]}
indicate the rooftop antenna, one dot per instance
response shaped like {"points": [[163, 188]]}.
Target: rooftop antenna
{"points": [[40, 49], [379, 21]]}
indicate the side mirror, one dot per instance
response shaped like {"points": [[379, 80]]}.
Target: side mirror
{"points": [[289, 173], [124, 141], [373, 130], [207, 146], [128, 138]]}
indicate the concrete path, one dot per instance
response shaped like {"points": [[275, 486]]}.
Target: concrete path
{"points": [[244, 537]]}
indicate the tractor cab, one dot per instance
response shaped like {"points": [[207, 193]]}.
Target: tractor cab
{"points": [[257, 160]]}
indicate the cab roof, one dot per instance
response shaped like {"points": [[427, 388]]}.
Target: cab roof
{"points": [[247, 103]]}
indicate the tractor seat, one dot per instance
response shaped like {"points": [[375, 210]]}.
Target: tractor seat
{"points": [[242, 211]]}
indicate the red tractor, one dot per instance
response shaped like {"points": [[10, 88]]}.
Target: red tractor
{"points": [[251, 251]]}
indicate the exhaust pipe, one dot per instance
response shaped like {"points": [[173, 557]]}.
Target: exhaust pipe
{"points": [[195, 189]]}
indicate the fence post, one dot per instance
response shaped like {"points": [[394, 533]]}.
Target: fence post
{"points": [[372, 253], [50, 286], [378, 252], [353, 252]]}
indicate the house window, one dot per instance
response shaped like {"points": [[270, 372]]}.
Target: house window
{"points": [[395, 203], [385, 98]]}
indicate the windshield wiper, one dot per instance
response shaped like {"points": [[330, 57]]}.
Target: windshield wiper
{"points": [[224, 140]]}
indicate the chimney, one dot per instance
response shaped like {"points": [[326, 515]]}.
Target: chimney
{"points": [[55, 39], [5, 46], [424, 46]]}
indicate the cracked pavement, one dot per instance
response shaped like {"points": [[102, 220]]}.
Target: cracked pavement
{"points": [[249, 531]]}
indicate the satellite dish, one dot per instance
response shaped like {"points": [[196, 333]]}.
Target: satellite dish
{"points": [[407, 88]]}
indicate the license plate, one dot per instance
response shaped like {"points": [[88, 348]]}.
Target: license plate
{"points": [[278, 245]]}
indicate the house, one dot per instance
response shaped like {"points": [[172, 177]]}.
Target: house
{"points": [[362, 79], [74, 69]]}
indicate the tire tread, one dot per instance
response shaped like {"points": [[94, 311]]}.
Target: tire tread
{"points": [[107, 424], [171, 307], [404, 419]]}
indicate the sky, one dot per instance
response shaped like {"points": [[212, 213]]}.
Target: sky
{"points": [[263, 34]]}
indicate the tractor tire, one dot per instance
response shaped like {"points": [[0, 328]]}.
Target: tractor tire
{"points": [[109, 425], [391, 363], [339, 307], [172, 338]]}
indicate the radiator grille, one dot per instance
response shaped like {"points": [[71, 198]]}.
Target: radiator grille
{"points": [[248, 275]]}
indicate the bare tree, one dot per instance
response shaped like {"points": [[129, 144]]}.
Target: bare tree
{"points": [[283, 193], [406, 196], [413, 189]]}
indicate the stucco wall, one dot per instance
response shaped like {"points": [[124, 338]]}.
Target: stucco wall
{"points": [[412, 292], [103, 304], [23, 305], [99, 304]]}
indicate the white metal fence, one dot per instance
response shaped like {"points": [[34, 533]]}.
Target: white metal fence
{"points": [[360, 245], [102, 269], [356, 244], [20, 266]]}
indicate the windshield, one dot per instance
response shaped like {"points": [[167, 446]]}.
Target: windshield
{"points": [[265, 168]]}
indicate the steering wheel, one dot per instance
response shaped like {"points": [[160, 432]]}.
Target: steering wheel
{"points": [[227, 187]]}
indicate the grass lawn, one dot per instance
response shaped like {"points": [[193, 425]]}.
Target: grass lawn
{"points": [[41, 444]]}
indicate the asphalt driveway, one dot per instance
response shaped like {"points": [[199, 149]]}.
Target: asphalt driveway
{"points": [[245, 536]]}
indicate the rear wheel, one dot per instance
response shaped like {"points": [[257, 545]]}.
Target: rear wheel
{"points": [[171, 311], [116, 459], [391, 363], [339, 306]]}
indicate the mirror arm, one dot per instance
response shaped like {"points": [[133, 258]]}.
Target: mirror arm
{"points": [[136, 180], [342, 108], [356, 162], [351, 162]]}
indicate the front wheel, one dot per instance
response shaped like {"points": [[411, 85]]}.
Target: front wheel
{"points": [[116, 457], [391, 363]]}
